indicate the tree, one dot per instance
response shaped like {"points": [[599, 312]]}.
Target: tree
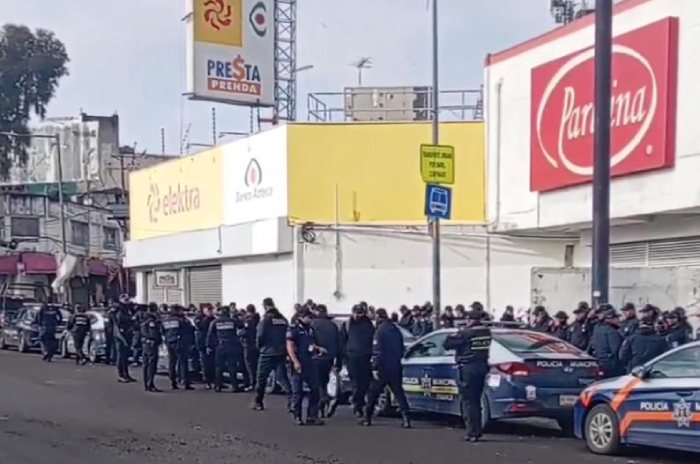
{"points": [[31, 64]]}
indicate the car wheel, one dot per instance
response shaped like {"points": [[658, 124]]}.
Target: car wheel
{"points": [[602, 431], [23, 343], [272, 386], [566, 424], [486, 419]]}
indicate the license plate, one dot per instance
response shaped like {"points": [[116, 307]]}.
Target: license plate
{"points": [[567, 400]]}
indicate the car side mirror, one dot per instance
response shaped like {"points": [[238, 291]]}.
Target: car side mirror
{"points": [[641, 372]]}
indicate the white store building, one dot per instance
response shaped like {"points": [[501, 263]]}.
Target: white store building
{"points": [[539, 114]]}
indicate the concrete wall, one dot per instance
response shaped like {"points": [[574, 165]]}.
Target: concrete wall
{"points": [[508, 112], [391, 267]]}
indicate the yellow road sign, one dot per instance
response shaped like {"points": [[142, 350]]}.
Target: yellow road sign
{"points": [[437, 164]]}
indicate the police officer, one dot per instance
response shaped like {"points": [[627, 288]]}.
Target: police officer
{"points": [[629, 323], [542, 320], [327, 337], [680, 332], [223, 339], [151, 339], [301, 347], [471, 345], [79, 327], [357, 335], [606, 341], [239, 364], [250, 348], [123, 333], [187, 352], [560, 329], [642, 346], [48, 318], [110, 342], [206, 355], [579, 334], [387, 352], [271, 339], [136, 345], [173, 332]]}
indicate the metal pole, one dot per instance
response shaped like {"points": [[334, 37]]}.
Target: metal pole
{"points": [[600, 267], [436, 141], [61, 204]]}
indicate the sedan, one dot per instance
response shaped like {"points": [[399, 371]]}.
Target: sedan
{"points": [[22, 331], [94, 346]]}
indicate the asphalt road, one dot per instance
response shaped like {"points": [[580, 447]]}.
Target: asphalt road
{"points": [[63, 414]]}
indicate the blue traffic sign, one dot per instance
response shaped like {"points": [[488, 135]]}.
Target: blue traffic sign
{"points": [[438, 202]]}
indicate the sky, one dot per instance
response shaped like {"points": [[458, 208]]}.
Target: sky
{"points": [[128, 56]]}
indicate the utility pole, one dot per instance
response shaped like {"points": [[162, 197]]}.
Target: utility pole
{"points": [[600, 267], [436, 141]]}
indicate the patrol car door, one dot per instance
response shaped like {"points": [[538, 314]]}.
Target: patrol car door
{"points": [[662, 408], [430, 377]]}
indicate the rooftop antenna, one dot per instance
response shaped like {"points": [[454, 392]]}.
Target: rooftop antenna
{"points": [[365, 62]]}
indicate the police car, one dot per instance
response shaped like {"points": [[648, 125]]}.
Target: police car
{"points": [[532, 375], [657, 405]]}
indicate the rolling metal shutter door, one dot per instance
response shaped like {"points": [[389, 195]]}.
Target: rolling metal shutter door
{"points": [[153, 294], [657, 253], [173, 295], [204, 285]]}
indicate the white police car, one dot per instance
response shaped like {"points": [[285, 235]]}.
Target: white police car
{"points": [[657, 405], [532, 375]]}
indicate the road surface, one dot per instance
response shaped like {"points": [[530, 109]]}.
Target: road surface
{"points": [[63, 414]]}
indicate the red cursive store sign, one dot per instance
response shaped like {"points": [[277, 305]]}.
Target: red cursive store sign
{"points": [[643, 109]]}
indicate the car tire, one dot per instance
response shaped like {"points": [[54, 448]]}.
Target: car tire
{"points": [[23, 346], [486, 420], [602, 431], [566, 424]]}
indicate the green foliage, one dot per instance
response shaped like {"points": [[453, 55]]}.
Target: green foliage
{"points": [[31, 64]]}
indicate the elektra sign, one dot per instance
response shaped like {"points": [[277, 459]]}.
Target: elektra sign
{"points": [[643, 109]]}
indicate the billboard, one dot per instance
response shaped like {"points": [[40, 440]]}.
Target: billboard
{"points": [[231, 48], [643, 109], [176, 196], [255, 170], [359, 173]]}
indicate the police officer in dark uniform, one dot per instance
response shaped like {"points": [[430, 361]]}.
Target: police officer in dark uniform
{"points": [[357, 335], [206, 355], [123, 333], [301, 347], [110, 342], [223, 339], [327, 337], [579, 334], [187, 352], [629, 323], [471, 345], [642, 346], [387, 352], [606, 341], [272, 343], [250, 347], [173, 334], [136, 345], [560, 329], [79, 327], [151, 339], [680, 332], [48, 319]]}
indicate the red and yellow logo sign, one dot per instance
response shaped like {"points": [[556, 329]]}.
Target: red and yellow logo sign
{"points": [[219, 22]]}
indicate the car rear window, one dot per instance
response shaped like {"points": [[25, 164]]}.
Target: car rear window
{"points": [[533, 342]]}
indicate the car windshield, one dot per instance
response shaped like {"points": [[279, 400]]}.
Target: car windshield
{"points": [[521, 342]]}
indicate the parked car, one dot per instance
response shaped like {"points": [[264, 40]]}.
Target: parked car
{"points": [[95, 345], [22, 331]]}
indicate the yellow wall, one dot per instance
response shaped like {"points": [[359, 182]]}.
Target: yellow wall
{"points": [[177, 196], [376, 168]]}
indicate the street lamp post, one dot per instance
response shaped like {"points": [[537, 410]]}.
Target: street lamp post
{"points": [[436, 141], [62, 214]]}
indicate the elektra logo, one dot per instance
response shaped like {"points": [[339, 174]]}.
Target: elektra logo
{"points": [[178, 199], [253, 181], [566, 114]]}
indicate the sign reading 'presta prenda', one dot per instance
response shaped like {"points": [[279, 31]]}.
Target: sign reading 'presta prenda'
{"points": [[643, 109]]}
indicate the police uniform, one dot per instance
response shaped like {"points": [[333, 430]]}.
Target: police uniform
{"points": [[605, 345], [304, 341], [151, 339], [206, 356], [123, 333], [48, 319], [643, 346], [272, 343], [223, 339], [172, 334], [471, 345], [250, 348], [387, 352], [79, 326]]}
